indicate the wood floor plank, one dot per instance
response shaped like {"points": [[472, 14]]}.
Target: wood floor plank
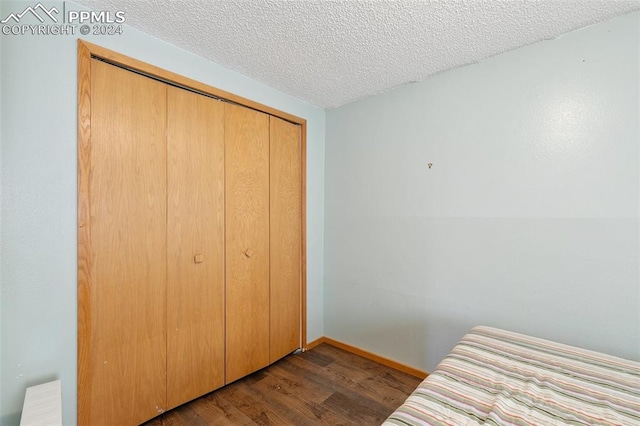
{"points": [[364, 409], [281, 404], [323, 386], [191, 417], [171, 418], [254, 407], [300, 402], [215, 409], [303, 381], [317, 356], [347, 358], [185, 416], [371, 385], [370, 378], [350, 380]]}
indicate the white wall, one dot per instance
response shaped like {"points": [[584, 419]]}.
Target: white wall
{"points": [[528, 219], [39, 204]]}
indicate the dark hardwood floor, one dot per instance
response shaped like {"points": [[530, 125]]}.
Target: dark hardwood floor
{"points": [[323, 386]]}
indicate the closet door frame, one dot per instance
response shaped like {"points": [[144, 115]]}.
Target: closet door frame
{"points": [[87, 51]]}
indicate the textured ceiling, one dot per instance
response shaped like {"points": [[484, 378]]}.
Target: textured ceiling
{"points": [[329, 53]]}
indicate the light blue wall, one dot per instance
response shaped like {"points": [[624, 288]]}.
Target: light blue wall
{"points": [[38, 189], [528, 219]]}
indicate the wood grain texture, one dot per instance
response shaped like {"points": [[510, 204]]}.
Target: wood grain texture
{"points": [[195, 226], [127, 191], [247, 240], [84, 235], [87, 294], [285, 238], [369, 355], [323, 386], [135, 64]]}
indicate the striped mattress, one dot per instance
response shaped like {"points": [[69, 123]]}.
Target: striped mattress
{"points": [[496, 377]]}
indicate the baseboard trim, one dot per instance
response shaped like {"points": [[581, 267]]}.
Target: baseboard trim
{"points": [[369, 355], [314, 343]]}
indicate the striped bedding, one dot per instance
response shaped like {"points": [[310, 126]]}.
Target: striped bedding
{"points": [[496, 377]]}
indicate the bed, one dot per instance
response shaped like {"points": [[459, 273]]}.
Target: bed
{"points": [[497, 377]]}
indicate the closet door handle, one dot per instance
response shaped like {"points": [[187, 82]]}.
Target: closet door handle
{"points": [[248, 253], [198, 258]]}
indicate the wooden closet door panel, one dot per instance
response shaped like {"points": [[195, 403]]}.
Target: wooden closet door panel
{"points": [[247, 240], [195, 246], [127, 196], [285, 237]]}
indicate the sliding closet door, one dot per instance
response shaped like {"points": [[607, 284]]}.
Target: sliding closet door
{"points": [[195, 245], [123, 328], [285, 237], [247, 240]]}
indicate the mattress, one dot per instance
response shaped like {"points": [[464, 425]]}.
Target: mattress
{"points": [[497, 377]]}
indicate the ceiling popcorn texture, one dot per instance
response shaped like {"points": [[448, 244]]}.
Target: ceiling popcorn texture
{"points": [[329, 53]]}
